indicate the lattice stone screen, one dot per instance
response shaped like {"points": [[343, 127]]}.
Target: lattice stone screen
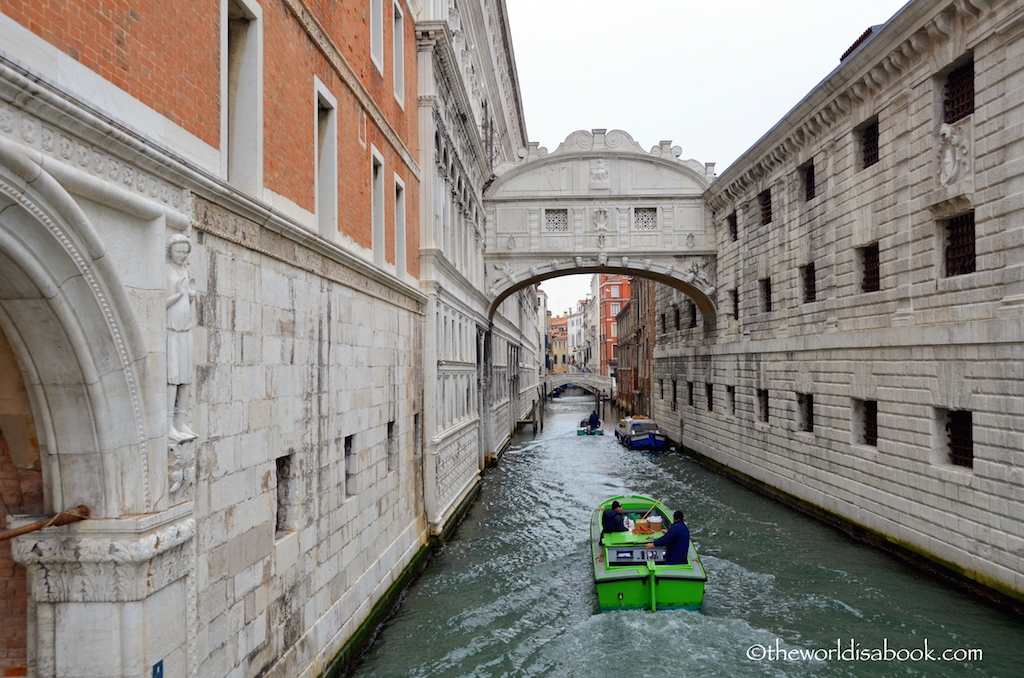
{"points": [[645, 218], [556, 220]]}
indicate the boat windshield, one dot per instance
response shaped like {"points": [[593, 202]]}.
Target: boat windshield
{"points": [[645, 426]]}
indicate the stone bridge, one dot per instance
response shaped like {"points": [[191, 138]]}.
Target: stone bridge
{"points": [[601, 204], [587, 380]]}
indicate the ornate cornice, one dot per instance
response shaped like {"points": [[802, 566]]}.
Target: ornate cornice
{"points": [[842, 91]]}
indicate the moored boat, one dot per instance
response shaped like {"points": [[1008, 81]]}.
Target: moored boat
{"points": [[628, 575], [640, 433]]}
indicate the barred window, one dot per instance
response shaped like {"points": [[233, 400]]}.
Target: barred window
{"points": [[765, 200], [762, 404], [959, 430], [675, 311], [689, 393], [645, 218], [734, 227], [870, 276], [556, 220], [674, 393], [735, 303], [693, 314], [958, 96], [810, 287], [807, 174], [869, 143], [730, 398], [960, 254], [709, 392], [766, 294]]}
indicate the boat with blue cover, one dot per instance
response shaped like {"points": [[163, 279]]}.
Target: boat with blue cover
{"points": [[628, 575]]}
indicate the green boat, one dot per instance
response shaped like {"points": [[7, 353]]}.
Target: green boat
{"points": [[628, 575]]}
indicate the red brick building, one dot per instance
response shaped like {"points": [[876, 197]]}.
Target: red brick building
{"points": [[613, 292]]}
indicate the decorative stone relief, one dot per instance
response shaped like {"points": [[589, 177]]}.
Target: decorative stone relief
{"points": [[952, 154], [181, 291], [182, 468], [78, 568]]}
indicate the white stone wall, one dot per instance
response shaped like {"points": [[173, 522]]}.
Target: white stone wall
{"points": [[923, 344], [291, 363]]}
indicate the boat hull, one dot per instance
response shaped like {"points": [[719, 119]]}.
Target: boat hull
{"points": [[589, 432], [628, 575]]}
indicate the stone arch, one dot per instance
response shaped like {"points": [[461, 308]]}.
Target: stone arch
{"points": [[601, 204], [73, 333]]}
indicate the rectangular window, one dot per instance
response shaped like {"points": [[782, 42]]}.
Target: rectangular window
{"points": [[709, 393], [809, 282], [661, 318], [766, 295], [615, 309], [960, 437], [730, 399], [734, 227], [735, 303], [869, 143], [645, 218], [287, 496], [244, 97], [556, 220], [674, 394], [866, 417], [959, 245], [392, 447], [807, 177], [805, 411], [400, 244], [377, 205], [870, 279], [693, 313], [350, 466], [398, 40], [762, 404], [958, 94], [326, 164], [764, 199], [675, 312], [661, 389], [689, 393], [615, 291], [377, 34], [615, 330]]}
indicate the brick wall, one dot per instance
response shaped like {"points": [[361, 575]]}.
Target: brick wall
{"points": [[176, 72], [21, 491]]}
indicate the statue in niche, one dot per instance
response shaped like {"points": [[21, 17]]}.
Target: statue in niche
{"points": [[952, 153], [181, 291], [599, 170]]}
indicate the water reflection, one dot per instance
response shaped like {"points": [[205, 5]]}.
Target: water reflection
{"points": [[512, 593]]}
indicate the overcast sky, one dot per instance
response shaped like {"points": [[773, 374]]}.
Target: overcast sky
{"points": [[712, 77]]}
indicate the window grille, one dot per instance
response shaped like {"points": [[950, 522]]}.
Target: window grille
{"points": [[736, 303], [869, 143], [871, 281], [556, 220], [730, 396], [693, 314], [766, 294], [674, 394], [709, 391], [689, 393], [645, 218], [961, 439], [960, 254], [808, 176], [765, 200], [958, 99], [810, 287], [734, 227], [869, 412]]}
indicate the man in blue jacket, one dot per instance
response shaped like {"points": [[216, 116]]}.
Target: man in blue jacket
{"points": [[676, 541]]}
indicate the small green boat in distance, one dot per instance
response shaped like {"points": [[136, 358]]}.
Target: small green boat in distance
{"points": [[628, 575]]}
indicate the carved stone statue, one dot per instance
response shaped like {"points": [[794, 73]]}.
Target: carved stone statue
{"points": [[599, 170], [181, 290]]}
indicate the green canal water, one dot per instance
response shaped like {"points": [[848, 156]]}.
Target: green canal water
{"points": [[511, 594]]}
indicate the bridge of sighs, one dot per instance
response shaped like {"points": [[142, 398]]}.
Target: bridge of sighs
{"points": [[601, 204]]}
